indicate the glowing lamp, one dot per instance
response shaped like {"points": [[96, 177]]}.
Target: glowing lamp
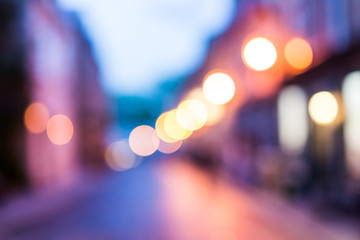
{"points": [[298, 53], [219, 88], [119, 156], [160, 129], [323, 108], [59, 129], [214, 112], [197, 112], [173, 128], [143, 140], [259, 54], [36, 117]]}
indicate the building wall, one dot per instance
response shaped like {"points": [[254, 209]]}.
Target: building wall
{"points": [[332, 29], [63, 77], [51, 60], [45, 57]]}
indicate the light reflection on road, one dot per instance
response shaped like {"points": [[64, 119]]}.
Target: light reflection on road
{"points": [[198, 206]]}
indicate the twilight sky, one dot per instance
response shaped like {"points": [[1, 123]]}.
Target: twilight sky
{"points": [[141, 43]]}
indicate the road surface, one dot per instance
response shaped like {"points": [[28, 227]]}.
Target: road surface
{"points": [[168, 199]]}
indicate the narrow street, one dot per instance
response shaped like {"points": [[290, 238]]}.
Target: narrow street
{"points": [[167, 199], [179, 120]]}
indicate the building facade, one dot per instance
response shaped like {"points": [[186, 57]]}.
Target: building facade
{"points": [[60, 109]]}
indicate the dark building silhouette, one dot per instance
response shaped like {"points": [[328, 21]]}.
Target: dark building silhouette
{"points": [[46, 58]]}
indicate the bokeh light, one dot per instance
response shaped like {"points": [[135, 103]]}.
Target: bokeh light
{"points": [[293, 120], [167, 148], [259, 54], [36, 117], [185, 119], [59, 129], [119, 156], [173, 127], [214, 112], [197, 111], [143, 140], [298, 53], [160, 129], [351, 96], [219, 88], [323, 108]]}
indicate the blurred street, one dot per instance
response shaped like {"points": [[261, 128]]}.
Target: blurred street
{"points": [[167, 199], [179, 120]]}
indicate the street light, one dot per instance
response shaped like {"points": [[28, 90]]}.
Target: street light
{"points": [[219, 88], [323, 108], [259, 54], [298, 53]]}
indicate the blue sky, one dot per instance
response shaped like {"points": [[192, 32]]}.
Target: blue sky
{"points": [[140, 43]]}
